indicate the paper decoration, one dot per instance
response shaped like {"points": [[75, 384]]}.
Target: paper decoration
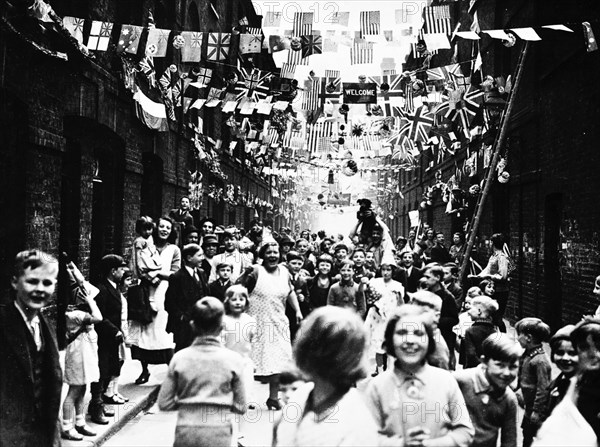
{"points": [[218, 46], [437, 41], [264, 106], [155, 109], [75, 26], [250, 43], [272, 19], [592, 43], [99, 35], [129, 39], [526, 33], [157, 42], [214, 97], [198, 104], [496, 34], [340, 19], [558, 28], [192, 47], [312, 44], [471, 35]]}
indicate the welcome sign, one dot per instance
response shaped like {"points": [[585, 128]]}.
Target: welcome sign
{"points": [[360, 93]]}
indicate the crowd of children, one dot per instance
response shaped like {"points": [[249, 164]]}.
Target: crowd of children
{"points": [[393, 353]]}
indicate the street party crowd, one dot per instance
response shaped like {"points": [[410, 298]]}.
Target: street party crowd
{"points": [[363, 340]]}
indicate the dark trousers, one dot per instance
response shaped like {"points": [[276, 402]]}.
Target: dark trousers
{"points": [[502, 300], [529, 431], [97, 389]]}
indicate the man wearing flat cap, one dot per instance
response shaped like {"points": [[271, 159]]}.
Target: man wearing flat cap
{"points": [[110, 336]]}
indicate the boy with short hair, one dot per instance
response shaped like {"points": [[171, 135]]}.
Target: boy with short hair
{"points": [[360, 271], [534, 374], [340, 253], [347, 293], [289, 381], [218, 287], [205, 381], [491, 403], [481, 312]]}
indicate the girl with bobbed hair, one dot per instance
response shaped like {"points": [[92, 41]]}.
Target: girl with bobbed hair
{"points": [[416, 404], [318, 287], [329, 350]]}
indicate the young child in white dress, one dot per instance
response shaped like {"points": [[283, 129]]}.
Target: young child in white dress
{"points": [[239, 332], [385, 295]]}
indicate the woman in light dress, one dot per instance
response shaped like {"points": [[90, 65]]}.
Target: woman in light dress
{"points": [[151, 344]]}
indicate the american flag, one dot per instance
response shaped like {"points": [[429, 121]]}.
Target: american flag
{"points": [[318, 136], [302, 26], [361, 53], [311, 95], [437, 19], [370, 23], [288, 70]]}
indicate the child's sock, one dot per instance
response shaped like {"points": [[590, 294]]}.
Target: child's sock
{"points": [[79, 420]]}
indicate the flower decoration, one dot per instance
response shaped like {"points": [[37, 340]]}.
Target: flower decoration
{"points": [[178, 42]]}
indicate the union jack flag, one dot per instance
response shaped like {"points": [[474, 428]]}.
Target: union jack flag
{"points": [[331, 88], [254, 84], [390, 98], [420, 124], [460, 82], [312, 44], [444, 73], [218, 46], [370, 23]]}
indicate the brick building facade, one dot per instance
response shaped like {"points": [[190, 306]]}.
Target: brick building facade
{"points": [[76, 166], [547, 208]]}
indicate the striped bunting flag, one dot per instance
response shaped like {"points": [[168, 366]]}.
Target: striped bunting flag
{"points": [[302, 26], [437, 19], [361, 53], [319, 136], [288, 70], [370, 23], [310, 101]]}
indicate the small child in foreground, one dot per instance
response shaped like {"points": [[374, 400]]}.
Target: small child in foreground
{"points": [[205, 382], [534, 374], [491, 403], [289, 381]]}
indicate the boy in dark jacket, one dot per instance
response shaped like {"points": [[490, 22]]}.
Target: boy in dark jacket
{"points": [[481, 312]]}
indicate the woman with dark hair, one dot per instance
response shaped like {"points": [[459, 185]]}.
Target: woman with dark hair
{"points": [[498, 269], [402, 399], [270, 289], [152, 344]]}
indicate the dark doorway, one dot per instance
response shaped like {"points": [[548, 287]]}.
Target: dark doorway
{"points": [[552, 280], [152, 182], [13, 141], [107, 206]]}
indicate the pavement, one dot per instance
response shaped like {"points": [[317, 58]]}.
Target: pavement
{"points": [[141, 397]]}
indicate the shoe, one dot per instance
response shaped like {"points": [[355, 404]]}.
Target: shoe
{"points": [[109, 412], [85, 430], [251, 407], [97, 416], [123, 398], [143, 378], [376, 373], [112, 400], [71, 435], [273, 404]]}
